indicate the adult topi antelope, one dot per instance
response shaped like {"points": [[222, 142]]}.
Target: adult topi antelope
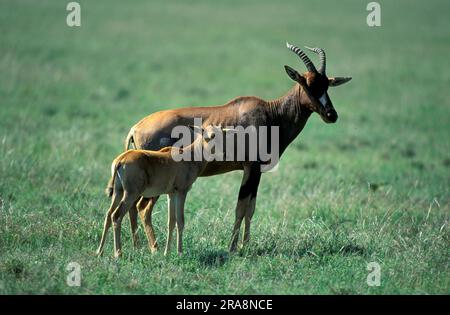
{"points": [[290, 112]]}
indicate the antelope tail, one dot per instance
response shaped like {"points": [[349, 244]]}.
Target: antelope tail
{"points": [[110, 186]]}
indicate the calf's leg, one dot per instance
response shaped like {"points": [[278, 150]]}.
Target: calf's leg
{"points": [[145, 208], [181, 198], [171, 220], [116, 217], [107, 224], [133, 212]]}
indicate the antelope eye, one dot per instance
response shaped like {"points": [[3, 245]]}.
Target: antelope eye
{"points": [[213, 135]]}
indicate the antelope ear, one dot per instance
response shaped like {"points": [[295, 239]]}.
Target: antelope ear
{"points": [[336, 81], [294, 75]]}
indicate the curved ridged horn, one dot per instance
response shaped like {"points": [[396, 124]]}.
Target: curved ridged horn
{"points": [[322, 56], [308, 63]]}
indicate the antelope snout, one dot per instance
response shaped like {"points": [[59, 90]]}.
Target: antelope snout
{"points": [[331, 116]]}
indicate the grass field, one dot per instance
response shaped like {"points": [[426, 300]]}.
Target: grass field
{"points": [[374, 187]]}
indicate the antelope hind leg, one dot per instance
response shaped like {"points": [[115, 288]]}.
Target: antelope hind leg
{"points": [[145, 208]]}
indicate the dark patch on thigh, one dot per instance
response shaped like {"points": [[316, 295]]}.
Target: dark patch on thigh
{"points": [[250, 187]]}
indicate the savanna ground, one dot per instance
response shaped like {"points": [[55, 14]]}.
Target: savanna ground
{"points": [[374, 187]]}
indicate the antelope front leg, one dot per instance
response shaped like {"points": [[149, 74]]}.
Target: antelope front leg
{"points": [[133, 222], [171, 221], [255, 175], [246, 203], [240, 213], [181, 198], [248, 219]]}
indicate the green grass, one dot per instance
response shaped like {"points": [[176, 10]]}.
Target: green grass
{"points": [[373, 187]]}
